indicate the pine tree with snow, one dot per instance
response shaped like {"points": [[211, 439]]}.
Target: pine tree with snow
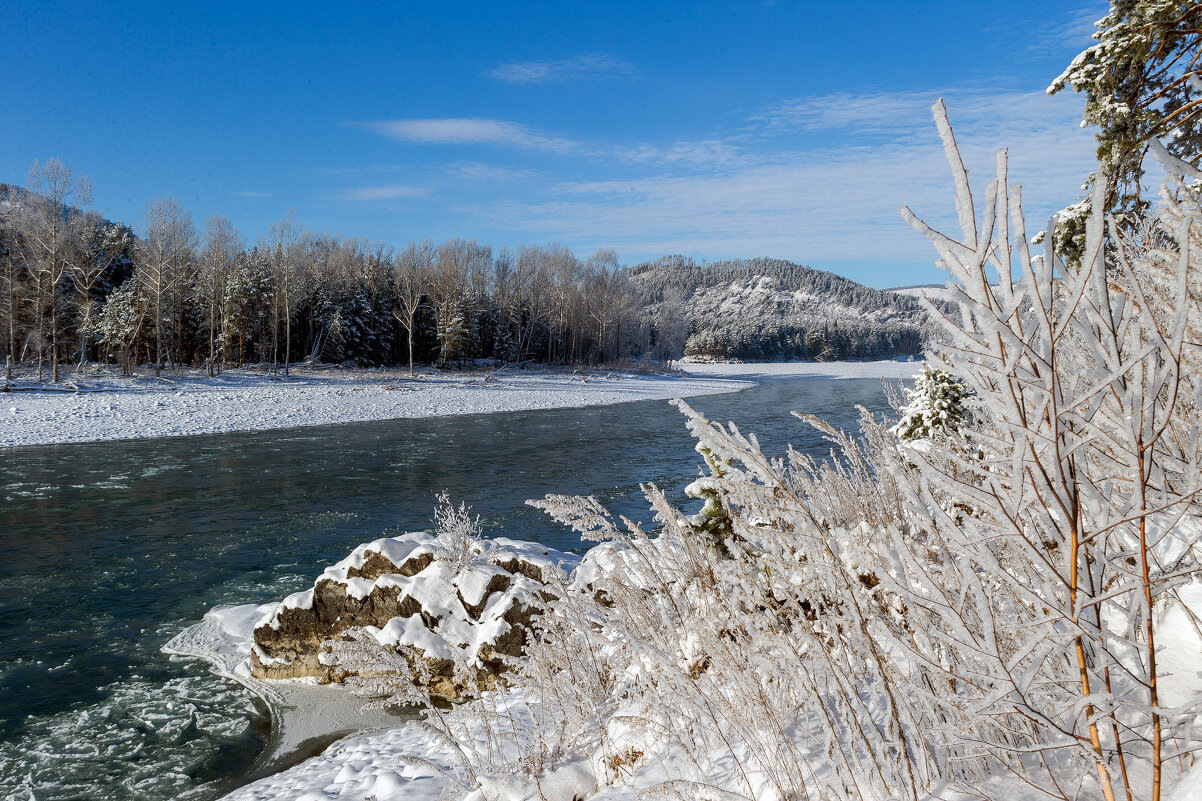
{"points": [[120, 321], [935, 407], [1140, 86], [454, 335]]}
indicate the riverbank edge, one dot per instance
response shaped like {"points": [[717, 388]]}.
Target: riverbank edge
{"points": [[103, 407], [107, 408]]}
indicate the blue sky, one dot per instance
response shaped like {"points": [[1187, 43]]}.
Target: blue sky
{"points": [[792, 130]]}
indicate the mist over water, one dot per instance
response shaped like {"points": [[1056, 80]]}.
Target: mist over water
{"points": [[109, 549]]}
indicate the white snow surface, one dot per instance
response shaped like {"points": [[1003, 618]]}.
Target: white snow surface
{"points": [[931, 291], [104, 406], [890, 369]]}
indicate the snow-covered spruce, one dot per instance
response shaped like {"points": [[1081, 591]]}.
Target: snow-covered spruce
{"points": [[468, 607], [935, 407]]}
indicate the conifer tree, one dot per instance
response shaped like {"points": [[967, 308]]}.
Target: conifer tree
{"points": [[1141, 86]]}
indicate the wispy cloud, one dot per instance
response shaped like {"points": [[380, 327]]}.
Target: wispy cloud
{"points": [[360, 169], [1070, 29], [816, 179], [469, 131], [386, 192], [706, 151], [244, 193], [479, 171], [1002, 116], [582, 67], [835, 201]]}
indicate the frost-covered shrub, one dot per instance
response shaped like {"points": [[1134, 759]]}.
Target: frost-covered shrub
{"points": [[897, 622], [457, 532], [1084, 519]]}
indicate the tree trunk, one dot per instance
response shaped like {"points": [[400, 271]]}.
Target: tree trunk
{"points": [[212, 337], [53, 338], [287, 331], [158, 335], [411, 323]]}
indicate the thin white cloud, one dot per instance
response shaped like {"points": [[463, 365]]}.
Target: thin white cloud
{"points": [[361, 169], [1072, 29], [1003, 116], [583, 67], [386, 192], [469, 131], [707, 151], [864, 112], [829, 203], [479, 171]]}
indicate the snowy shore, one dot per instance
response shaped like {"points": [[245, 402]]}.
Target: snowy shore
{"points": [[890, 369], [108, 407], [101, 407]]}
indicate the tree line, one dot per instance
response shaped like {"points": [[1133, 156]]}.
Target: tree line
{"points": [[78, 288]]}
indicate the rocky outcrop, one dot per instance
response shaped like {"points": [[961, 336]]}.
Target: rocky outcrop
{"points": [[472, 608]]}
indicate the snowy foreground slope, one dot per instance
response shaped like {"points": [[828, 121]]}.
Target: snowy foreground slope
{"points": [[416, 761], [109, 408], [114, 408]]}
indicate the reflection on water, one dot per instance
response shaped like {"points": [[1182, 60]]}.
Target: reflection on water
{"points": [[111, 548]]}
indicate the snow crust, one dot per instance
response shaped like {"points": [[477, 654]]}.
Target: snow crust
{"points": [[108, 407], [887, 368], [223, 637], [404, 764]]}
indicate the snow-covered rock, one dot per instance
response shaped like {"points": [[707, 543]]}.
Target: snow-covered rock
{"points": [[406, 591]]}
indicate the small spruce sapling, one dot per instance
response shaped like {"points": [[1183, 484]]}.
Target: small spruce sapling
{"points": [[713, 522], [935, 408]]}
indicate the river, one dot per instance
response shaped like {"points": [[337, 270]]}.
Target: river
{"points": [[110, 549]]}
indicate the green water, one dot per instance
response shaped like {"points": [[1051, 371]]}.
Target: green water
{"points": [[109, 549]]}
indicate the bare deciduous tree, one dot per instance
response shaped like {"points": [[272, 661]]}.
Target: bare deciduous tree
{"points": [[51, 232], [223, 244], [164, 252], [288, 265], [414, 276]]}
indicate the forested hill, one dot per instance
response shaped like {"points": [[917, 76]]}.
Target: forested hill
{"points": [[775, 309]]}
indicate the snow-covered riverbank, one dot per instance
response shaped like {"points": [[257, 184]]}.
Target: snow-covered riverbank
{"points": [[481, 751], [890, 369], [110, 407]]}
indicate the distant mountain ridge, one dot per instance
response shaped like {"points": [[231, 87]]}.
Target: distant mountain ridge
{"points": [[775, 309]]}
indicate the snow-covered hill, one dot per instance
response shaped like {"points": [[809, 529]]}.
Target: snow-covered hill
{"points": [[774, 309], [935, 292]]}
